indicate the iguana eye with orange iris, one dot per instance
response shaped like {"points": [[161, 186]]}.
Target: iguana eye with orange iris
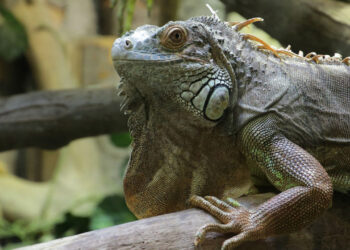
{"points": [[174, 37]]}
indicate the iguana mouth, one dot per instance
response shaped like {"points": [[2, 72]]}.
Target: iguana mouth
{"points": [[134, 57]]}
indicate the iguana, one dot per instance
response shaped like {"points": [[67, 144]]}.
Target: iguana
{"points": [[209, 108]]}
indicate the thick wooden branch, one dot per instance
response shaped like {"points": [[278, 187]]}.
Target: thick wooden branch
{"points": [[177, 231], [322, 26], [51, 119]]}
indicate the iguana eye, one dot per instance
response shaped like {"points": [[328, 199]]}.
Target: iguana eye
{"points": [[174, 37]]}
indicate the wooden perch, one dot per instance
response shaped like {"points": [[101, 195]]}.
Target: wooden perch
{"points": [[51, 119], [322, 26], [177, 231]]}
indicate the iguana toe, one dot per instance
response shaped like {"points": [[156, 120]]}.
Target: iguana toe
{"points": [[236, 219]]}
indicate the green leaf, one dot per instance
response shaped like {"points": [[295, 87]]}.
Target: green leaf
{"points": [[23, 231], [130, 7], [111, 211], [113, 3], [149, 7], [13, 38], [120, 16], [125, 13], [122, 140]]}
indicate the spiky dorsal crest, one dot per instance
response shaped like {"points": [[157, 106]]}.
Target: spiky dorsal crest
{"points": [[214, 23], [207, 20]]}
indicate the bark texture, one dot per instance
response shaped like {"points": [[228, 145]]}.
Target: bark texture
{"points": [[51, 119]]}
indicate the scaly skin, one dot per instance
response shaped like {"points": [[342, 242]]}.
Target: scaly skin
{"points": [[208, 110]]}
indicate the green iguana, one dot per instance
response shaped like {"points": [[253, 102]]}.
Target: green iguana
{"points": [[209, 107]]}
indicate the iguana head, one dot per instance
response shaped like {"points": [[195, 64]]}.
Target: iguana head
{"points": [[178, 68], [179, 89]]}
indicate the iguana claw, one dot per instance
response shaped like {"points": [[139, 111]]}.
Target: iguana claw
{"points": [[236, 219]]}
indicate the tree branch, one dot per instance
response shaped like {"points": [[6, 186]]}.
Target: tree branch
{"points": [[51, 119], [177, 231], [322, 26]]}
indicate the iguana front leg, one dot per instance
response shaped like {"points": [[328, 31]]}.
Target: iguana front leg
{"points": [[305, 185]]}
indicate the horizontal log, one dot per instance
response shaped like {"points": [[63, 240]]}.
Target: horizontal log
{"points": [[177, 231], [51, 119], [170, 231]]}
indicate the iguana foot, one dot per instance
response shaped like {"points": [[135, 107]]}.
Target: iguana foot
{"points": [[235, 217]]}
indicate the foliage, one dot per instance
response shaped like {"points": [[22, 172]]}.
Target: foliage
{"points": [[21, 233], [13, 38], [83, 211], [121, 139], [110, 211], [125, 13], [56, 221]]}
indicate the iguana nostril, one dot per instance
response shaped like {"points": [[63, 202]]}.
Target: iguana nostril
{"points": [[128, 44]]}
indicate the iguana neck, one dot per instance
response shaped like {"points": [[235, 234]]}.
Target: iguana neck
{"points": [[164, 148]]}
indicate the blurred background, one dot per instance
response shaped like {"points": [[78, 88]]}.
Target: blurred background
{"points": [[54, 45]]}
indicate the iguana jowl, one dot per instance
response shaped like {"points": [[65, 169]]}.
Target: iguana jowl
{"points": [[208, 108]]}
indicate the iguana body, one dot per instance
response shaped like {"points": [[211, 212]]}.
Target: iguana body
{"points": [[208, 109]]}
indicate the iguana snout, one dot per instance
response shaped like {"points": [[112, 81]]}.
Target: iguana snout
{"points": [[141, 45]]}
